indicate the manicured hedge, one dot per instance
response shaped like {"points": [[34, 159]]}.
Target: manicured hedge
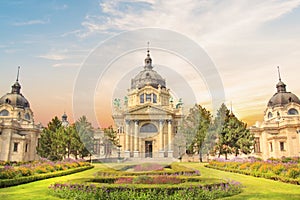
{"points": [[176, 169], [145, 191], [260, 169], [22, 180]]}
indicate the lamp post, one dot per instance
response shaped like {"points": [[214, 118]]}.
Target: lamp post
{"points": [[119, 152], [179, 152]]}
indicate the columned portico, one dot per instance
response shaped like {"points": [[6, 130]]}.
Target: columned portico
{"points": [[127, 140], [161, 141], [170, 151], [136, 139], [149, 116]]}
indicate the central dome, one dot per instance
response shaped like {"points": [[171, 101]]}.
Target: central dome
{"points": [[148, 76]]}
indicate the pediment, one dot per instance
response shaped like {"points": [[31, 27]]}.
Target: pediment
{"points": [[149, 110]]}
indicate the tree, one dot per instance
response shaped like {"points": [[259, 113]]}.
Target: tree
{"points": [[110, 140], [220, 124], [195, 127], [85, 133], [233, 135], [50, 143], [241, 140]]}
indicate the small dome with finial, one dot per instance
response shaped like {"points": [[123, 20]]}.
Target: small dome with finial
{"points": [[15, 98], [282, 97]]}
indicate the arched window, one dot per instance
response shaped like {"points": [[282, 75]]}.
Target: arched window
{"points": [[27, 116], [270, 115], [148, 128], [7, 101], [4, 113], [292, 111]]}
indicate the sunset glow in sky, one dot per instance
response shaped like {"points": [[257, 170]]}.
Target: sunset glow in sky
{"points": [[53, 40]]}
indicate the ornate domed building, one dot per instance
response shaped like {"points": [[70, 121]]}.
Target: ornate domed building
{"points": [[278, 134], [148, 122], [18, 132]]}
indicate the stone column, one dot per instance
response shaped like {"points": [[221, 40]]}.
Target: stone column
{"points": [[136, 137], [170, 151], [127, 140], [161, 139]]}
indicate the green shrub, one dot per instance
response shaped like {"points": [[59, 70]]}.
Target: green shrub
{"points": [[21, 180]]}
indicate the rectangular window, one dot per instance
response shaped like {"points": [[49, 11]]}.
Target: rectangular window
{"points": [[257, 145], [142, 98], [281, 146], [154, 98], [271, 147], [148, 97], [16, 147], [26, 147]]}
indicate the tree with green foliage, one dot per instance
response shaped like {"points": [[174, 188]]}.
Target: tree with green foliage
{"points": [[195, 127], [50, 142], [111, 140], [241, 140], [233, 135], [85, 134], [219, 126]]}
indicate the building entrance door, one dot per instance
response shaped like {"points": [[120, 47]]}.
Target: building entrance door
{"points": [[148, 149]]}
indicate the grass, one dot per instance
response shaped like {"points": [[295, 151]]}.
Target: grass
{"points": [[255, 188], [39, 189]]}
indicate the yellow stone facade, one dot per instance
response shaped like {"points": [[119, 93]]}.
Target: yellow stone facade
{"points": [[278, 135], [18, 132], [148, 123]]}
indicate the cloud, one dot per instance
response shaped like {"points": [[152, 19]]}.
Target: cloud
{"points": [[210, 19], [66, 65], [31, 22], [53, 56]]}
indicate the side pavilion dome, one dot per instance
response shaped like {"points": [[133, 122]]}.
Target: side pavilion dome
{"points": [[282, 97], [15, 98]]}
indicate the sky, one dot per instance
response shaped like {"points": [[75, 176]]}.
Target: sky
{"points": [[74, 57]]}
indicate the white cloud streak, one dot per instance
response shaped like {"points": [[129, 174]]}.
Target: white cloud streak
{"points": [[31, 22]]}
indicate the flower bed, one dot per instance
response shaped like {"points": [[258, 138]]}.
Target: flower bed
{"points": [[121, 184], [275, 169], [16, 173], [38, 167], [173, 169], [125, 192]]}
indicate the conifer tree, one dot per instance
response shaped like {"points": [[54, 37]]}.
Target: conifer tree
{"points": [[49, 141], [85, 133], [195, 128], [232, 134]]}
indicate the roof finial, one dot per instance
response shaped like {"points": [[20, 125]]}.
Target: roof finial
{"points": [[18, 73], [278, 73], [148, 48]]}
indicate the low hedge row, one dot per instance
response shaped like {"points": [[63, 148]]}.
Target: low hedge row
{"points": [[184, 179], [258, 174], [22, 180], [144, 191], [175, 170]]}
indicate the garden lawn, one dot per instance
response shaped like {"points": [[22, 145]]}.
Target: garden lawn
{"points": [[39, 189], [255, 188]]}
